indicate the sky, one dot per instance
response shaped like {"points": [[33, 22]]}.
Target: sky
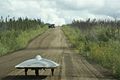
{"points": [[61, 11]]}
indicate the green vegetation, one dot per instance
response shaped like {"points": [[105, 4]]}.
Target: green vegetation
{"points": [[15, 34], [98, 41]]}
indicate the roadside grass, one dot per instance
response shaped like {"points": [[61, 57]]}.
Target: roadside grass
{"points": [[11, 40], [98, 44]]}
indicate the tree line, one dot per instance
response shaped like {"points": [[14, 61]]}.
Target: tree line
{"points": [[19, 23]]}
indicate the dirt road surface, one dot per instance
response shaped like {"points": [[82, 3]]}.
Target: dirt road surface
{"points": [[51, 45]]}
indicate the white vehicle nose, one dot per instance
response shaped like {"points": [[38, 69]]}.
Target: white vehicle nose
{"points": [[38, 57]]}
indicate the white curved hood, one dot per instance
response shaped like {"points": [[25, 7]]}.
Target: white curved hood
{"points": [[37, 62]]}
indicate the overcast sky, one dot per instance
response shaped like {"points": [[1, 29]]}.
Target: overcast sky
{"points": [[61, 11]]}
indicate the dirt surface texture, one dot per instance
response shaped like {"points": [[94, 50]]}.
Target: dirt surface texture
{"points": [[52, 45]]}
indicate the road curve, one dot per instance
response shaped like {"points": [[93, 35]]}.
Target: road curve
{"points": [[51, 45]]}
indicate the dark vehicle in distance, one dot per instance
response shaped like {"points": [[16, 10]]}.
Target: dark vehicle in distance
{"points": [[51, 25]]}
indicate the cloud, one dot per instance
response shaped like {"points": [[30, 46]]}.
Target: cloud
{"points": [[80, 4], [61, 11]]}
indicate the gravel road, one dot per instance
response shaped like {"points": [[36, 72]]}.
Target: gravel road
{"points": [[52, 45]]}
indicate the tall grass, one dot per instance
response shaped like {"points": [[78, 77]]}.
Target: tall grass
{"points": [[99, 43], [15, 34], [12, 40], [27, 35]]}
